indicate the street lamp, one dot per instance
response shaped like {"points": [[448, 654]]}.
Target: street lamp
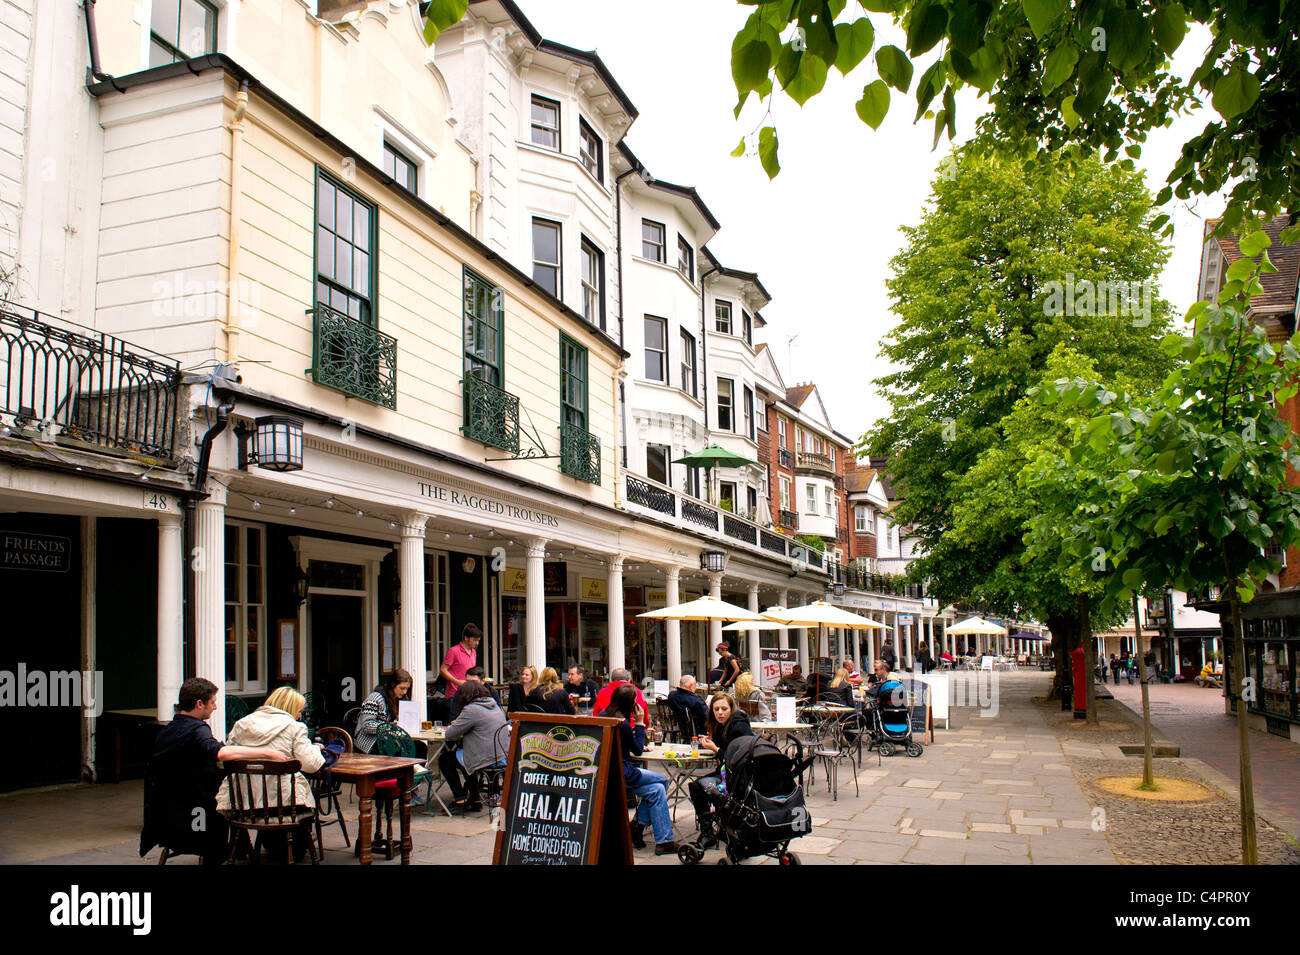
{"points": [[713, 561], [276, 443]]}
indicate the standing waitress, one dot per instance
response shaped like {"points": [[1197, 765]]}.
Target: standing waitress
{"points": [[729, 665], [726, 725]]}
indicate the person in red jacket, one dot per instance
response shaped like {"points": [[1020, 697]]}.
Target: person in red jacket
{"points": [[617, 677]]}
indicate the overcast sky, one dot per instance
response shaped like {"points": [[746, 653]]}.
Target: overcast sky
{"points": [[821, 235]]}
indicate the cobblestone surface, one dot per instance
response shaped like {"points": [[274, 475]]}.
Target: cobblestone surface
{"points": [[1175, 833]]}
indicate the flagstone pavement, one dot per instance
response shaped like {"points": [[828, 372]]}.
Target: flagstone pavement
{"points": [[992, 788]]}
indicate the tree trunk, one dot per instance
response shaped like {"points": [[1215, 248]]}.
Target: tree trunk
{"points": [[1089, 658], [1064, 628], [1148, 772], [1249, 842]]}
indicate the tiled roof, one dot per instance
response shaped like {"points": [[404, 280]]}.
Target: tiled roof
{"points": [[858, 481], [1279, 293], [796, 396]]}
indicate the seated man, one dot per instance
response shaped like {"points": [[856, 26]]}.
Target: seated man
{"points": [[685, 700], [793, 684], [578, 684], [180, 787], [879, 674]]}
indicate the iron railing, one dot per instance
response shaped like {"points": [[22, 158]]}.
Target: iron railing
{"points": [[353, 357], [579, 453], [700, 514], [81, 385], [491, 415], [739, 528], [789, 518], [649, 495], [785, 458]]}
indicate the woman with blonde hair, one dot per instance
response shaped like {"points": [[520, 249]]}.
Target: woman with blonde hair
{"points": [[841, 689], [747, 692], [555, 698], [526, 692], [274, 725]]}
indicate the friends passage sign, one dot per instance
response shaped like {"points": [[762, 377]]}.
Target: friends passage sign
{"points": [[564, 799]]}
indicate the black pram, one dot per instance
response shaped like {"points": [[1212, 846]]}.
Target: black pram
{"points": [[763, 808], [891, 721]]}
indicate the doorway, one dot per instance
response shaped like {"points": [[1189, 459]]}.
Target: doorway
{"points": [[337, 640]]}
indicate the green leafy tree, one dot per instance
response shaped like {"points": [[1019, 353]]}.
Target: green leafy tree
{"points": [[1201, 488], [1005, 266], [1093, 74]]}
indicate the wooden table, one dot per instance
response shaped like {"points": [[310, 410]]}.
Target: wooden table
{"points": [[364, 771]]}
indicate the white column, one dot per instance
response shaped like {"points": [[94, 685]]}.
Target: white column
{"points": [[783, 636], [208, 564], [171, 664], [754, 645], [801, 641], [614, 583], [410, 559], [906, 649], [857, 652], [715, 626], [535, 603], [673, 628]]}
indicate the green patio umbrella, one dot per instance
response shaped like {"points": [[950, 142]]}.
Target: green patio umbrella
{"points": [[712, 457]]}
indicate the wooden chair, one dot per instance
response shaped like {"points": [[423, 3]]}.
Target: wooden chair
{"points": [[263, 800], [328, 810]]}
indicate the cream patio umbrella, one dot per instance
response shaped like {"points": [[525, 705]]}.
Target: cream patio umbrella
{"points": [[708, 608], [976, 626], [820, 614]]}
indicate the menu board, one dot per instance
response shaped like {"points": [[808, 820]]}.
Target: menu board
{"points": [[564, 799], [919, 710]]}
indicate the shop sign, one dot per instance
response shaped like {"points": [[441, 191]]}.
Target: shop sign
{"points": [[486, 505], [593, 588], [556, 577], [774, 664], [656, 597], [514, 580], [22, 550]]}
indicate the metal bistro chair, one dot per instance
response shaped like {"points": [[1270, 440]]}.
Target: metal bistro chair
{"points": [[236, 710], [667, 718], [392, 740], [256, 806], [328, 810], [838, 743]]}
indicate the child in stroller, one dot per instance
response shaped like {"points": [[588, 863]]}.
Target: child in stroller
{"points": [[762, 809]]}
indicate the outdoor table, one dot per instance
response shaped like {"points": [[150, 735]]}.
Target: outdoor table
{"points": [[680, 770], [364, 771], [435, 739], [798, 730]]}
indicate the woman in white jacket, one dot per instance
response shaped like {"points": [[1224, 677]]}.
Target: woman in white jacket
{"points": [[275, 725]]}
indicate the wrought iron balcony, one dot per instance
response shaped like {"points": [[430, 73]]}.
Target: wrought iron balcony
{"points": [[78, 385], [654, 496], [785, 458], [491, 415], [356, 358], [579, 454], [789, 518]]}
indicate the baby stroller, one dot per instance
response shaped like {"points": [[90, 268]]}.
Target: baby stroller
{"points": [[891, 721], [763, 809]]}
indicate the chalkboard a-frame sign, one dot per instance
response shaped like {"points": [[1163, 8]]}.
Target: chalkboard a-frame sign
{"points": [[564, 801]]}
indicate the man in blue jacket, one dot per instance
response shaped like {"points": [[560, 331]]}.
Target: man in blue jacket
{"points": [[685, 699]]}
